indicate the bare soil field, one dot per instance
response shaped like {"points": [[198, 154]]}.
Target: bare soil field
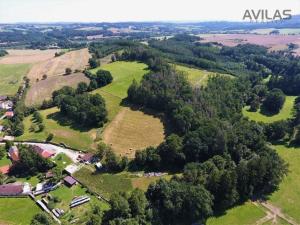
{"points": [[56, 66], [28, 56], [43, 89], [274, 42], [132, 130]]}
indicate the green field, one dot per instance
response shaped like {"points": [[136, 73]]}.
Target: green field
{"points": [[11, 77], [62, 160], [17, 211], [288, 196], [198, 77], [5, 161], [123, 73], [245, 214], [104, 183], [63, 131], [285, 113]]}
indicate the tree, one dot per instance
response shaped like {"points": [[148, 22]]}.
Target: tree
{"points": [[49, 137], [137, 203], [94, 63], [44, 77], [68, 71], [274, 101], [41, 127], [81, 88], [113, 58], [38, 117], [103, 77], [119, 206], [41, 219]]}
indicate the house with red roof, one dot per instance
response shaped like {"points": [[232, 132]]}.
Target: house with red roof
{"points": [[13, 153], [45, 153], [9, 114]]}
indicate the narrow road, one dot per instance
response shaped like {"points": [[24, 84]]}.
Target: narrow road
{"points": [[73, 155]]}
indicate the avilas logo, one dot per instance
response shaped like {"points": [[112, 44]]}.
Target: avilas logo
{"points": [[264, 15]]}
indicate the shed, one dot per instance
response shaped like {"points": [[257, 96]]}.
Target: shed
{"points": [[70, 169], [70, 181]]}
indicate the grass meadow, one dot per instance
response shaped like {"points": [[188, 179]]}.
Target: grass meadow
{"points": [[11, 77], [285, 113], [17, 211], [198, 77]]}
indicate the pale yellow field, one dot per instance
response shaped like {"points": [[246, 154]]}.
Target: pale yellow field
{"points": [[27, 56], [43, 89], [132, 130], [56, 66]]}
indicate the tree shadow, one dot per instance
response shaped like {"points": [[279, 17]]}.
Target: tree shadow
{"points": [[264, 111], [168, 128], [64, 121]]}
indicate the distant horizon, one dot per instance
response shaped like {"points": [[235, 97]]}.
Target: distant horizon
{"points": [[119, 11]]}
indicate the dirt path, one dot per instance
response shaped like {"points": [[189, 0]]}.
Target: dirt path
{"points": [[273, 213]]}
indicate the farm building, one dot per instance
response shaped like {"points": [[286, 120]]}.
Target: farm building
{"points": [[70, 169], [86, 158], [43, 152], [4, 169], [14, 189], [70, 181], [6, 105], [13, 153]]}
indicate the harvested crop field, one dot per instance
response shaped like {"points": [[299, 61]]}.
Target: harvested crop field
{"points": [[43, 89], [77, 59], [132, 130], [27, 56], [275, 42]]}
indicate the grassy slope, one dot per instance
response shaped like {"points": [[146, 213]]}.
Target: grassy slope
{"points": [[17, 210], [241, 215], [76, 138], [285, 113], [11, 77], [288, 195], [196, 76], [123, 73]]}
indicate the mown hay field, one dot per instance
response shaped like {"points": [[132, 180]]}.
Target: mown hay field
{"points": [[43, 89]]}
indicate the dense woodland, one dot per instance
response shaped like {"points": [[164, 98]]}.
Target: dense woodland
{"points": [[224, 158]]}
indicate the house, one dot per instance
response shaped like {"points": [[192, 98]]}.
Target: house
{"points": [[86, 158], [70, 169], [43, 152], [13, 153], [4, 169], [70, 181], [9, 114], [6, 105], [49, 174], [14, 189], [98, 165]]}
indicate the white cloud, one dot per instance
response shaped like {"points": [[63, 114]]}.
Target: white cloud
{"points": [[134, 10]]}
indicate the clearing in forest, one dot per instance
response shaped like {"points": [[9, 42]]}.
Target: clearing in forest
{"points": [[285, 113]]}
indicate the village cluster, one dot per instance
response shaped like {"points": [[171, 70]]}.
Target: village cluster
{"points": [[41, 192]]}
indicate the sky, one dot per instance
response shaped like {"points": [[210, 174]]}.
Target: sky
{"points": [[13, 11]]}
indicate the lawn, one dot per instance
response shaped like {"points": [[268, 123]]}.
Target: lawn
{"points": [[17, 211], [245, 214], [123, 73], [66, 194], [104, 183], [5, 161], [198, 77], [64, 132], [62, 160], [288, 196], [11, 77], [285, 113]]}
